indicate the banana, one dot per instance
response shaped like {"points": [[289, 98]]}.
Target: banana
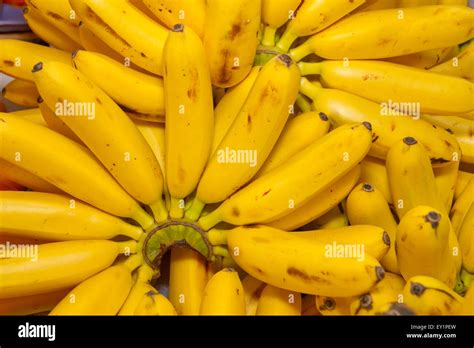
{"points": [[415, 3], [32, 304], [73, 170], [429, 296], [320, 204], [384, 82], [276, 13], [461, 206], [466, 240], [58, 217], [306, 128], [445, 178], [367, 205], [275, 301], [334, 305], [461, 183], [93, 296], [334, 218], [21, 92], [422, 245], [383, 34], [342, 107], [224, 295], [33, 115], [171, 12], [154, 303], [139, 289], [293, 184], [89, 112], [48, 32], [115, 23], [17, 58], [252, 135], [188, 278], [426, 59], [92, 43], [252, 291], [373, 171], [58, 265], [293, 263], [230, 39], [460, 66], [388, 290], [454, 2], [313, 16], [146, 96], [229, 106], [59, 14], [373, 5], [189, 113]]}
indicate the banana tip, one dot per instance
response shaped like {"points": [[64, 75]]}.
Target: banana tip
{"points": [[286, 59], [433, 218], [367, 125], [379, 273], [367, 187], [417, 289], [39, 100], [37, 67], [386, 238], [409, 140], [323, 116], [74, 54], [399, 309], [25, 10], [178, 27], [366, 301]]}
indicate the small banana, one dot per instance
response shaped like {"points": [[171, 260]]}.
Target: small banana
{"points": [[92, 43], [334, 218], [154, 303], [373, 171], [426, 59], [275, 301], [466, 240], [140, 287], [252, 291], [461, 206], [460, 66], [461, 183], [445, 179], [21, 92]]}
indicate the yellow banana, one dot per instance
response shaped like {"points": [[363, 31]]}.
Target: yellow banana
{"points": [[224, 295], [96, 120], [313, 16], [32, 304], [454, 2], [320, 204], [229, 106], [230, 39], [48, 32], [445, 178], [466, 240], [426, 59], [140, 287], [298, 133], [429, 296], [383, 34], [91, 42], [188, 278], [287, 261], [275, 301], [415, 3], [189, 113], [57, 266], [293, 184], [115, 23], [384, 82], [275, 13], [252, 291], [461, 206], [334, 218], [191, 13], [460, 66], [154, 303], [342, 107], [374, 172], [58, 217], [461, 183], [21, 92], [373, 5], [94, 296], [73, 171], [334, 305], [115, 79], [367, 205]]}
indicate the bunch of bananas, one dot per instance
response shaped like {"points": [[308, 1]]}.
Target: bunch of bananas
{"points": [[294, 157]]}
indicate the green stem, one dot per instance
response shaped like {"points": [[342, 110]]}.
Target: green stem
{"points": [[140, 216], [128, 246], [133, 262], [286, 41], [301, 51], [220, 251], [217, 237], [309, 68], [210, 220], [309, 89], [176, 212], [145, 273], [159, 210], [131, 231], [303, 103], [268, 36], [194, 212]]}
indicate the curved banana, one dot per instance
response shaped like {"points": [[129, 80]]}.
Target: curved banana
{"points": [[461, 206], [58, 266], [367, 205], [342, 107], [73, 170], [189, 114], [31, 115], [224, 295], [55, 123], [141, 286], [383, 34], [461, 183], [275, 13], [32, 304], [334, 305], [92, 43], [115, 23], [58, 217], [252, 291], [154, 303], [97, 120], [445, 178], [373, 171], [426, 59], [384, 82], [466, 240], [276, 301], [21, 92], [296, 182], [287, 261], [230, 39], [313, 16], [460, 66]]}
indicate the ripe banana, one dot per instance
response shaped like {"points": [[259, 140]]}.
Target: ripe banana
{"points": [[429, 296], [415, 3], [287, 261], [460, 66], [466, 240], [461, 183], [275, 13], [461, 207], [140, 287], [115, 23], [335, 218], [367, 205], [58, 266], [89, 112], [426, 59], [154, 303], [334, 305], [146, 96], [32, 304], [275, 194], [320, 204], [372, 5], [275, 301], [188, 278], [252, 290], [171, 12], [189, 113], [373, 171], [21, 92], [384, 82], [55, 123], [224, 295], [92, 43], [58, 217], [383, 34], [313, 16], [230, 39], [445, 178], [72, 171], [32, 115], [342, 107]]}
